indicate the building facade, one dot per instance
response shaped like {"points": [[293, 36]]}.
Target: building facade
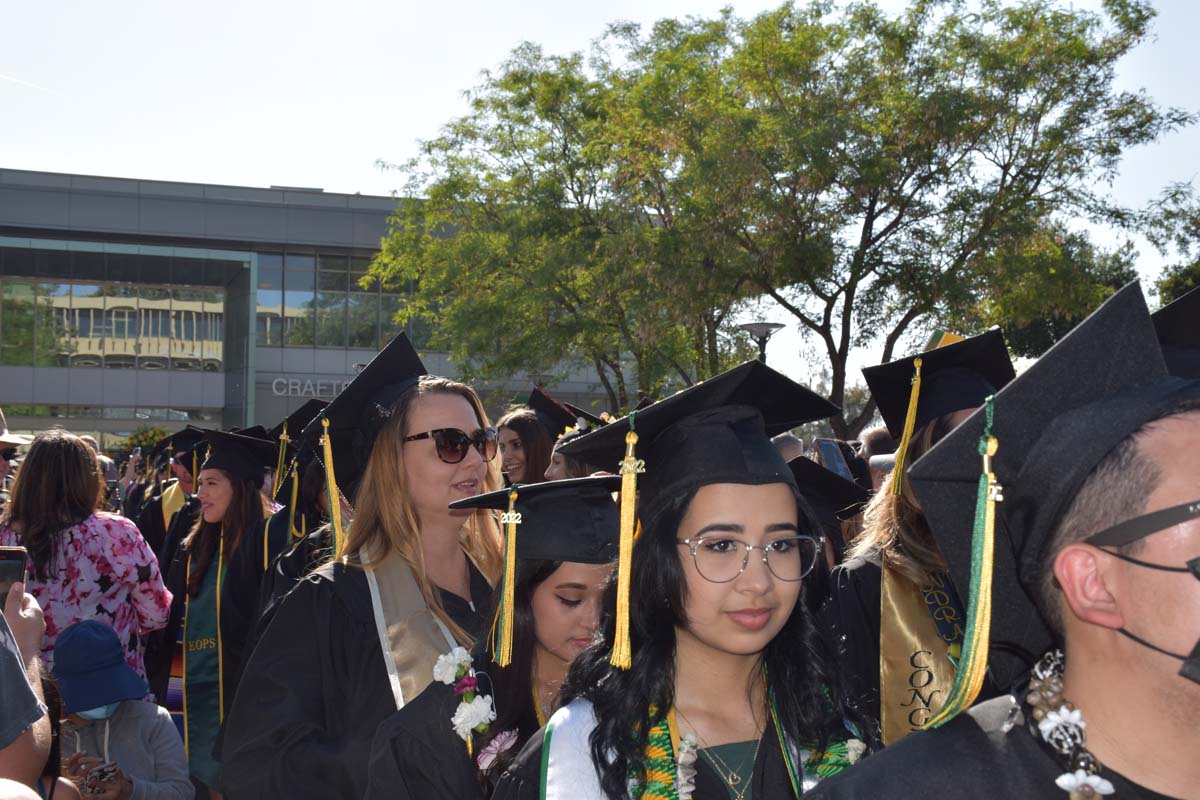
{"points": [[126, 303]]}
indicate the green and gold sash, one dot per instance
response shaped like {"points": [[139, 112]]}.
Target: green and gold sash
{"points": [[203, 685]]}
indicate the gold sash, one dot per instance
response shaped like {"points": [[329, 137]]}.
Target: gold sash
{"points": [[411, 637], [172, 500], [915, 672]]}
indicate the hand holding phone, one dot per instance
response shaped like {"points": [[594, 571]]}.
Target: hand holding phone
{"points": [[12, 570]]}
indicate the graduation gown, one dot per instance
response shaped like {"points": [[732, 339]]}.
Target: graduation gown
{"points": [[160, 645], [522, 780], [851, 620], [977, 754], [416, 755], [315, 689], [149, 519]]}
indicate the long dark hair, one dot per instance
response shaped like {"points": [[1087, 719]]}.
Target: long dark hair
{"points": [[805, 696], [512, 686], [58, 486], [247, 509], [535, 439]]}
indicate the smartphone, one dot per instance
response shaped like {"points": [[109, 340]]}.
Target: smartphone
{"points": [[832, 458], [137, 451], [12, 569]]}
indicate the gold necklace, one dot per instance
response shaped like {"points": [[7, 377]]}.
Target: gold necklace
{"points": [[730, 776]]}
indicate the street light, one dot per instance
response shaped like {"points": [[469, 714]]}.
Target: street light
{"points": [[761, 331]]}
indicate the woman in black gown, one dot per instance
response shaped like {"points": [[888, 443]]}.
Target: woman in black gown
{"points": [[723, 693], [358, 638]]}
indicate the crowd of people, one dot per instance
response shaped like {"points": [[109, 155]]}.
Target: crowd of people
{"points": [[995, 593]]}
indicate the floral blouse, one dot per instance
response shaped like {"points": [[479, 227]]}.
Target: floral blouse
{"points": [[101, 569]]}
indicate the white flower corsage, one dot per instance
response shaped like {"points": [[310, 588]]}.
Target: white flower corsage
{"points": [[685, 766], [854, 750], [1073, 782], [499, 743], [475, 711]]}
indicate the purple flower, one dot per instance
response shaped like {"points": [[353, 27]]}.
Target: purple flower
{"points": [[466, 684]]}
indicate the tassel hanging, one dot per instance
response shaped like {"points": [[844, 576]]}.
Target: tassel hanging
{"points": [[292, 503], [972, 666], [502, 626], [631, 466], [910, 420], [281, 461], [331, 489]]}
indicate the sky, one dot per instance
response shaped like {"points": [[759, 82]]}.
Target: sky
{"points": [[300, 93]]}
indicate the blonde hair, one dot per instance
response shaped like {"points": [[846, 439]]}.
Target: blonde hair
{"points": [[384, 519], [894, 526]]}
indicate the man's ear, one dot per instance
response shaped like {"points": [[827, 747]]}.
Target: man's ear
{"points": [[1085, 574]]}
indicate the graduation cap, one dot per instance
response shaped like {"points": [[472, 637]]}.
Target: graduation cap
{"points": [[1039, 438], [554, 416], [569, 520], [345, 430], [1178, 327], [289, 431], [832, 497], [911, 392], [580, 414], [717, 431], [244, 454]]}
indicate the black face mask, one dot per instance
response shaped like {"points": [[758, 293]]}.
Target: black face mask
{"points": [[1138, 528]]}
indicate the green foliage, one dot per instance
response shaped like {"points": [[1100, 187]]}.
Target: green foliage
{"points": [[1172, 223], [146, 437], [872, 175]]}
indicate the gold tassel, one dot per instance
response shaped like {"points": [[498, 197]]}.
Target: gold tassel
{"points": [[195, 470], [331, 489], [502, 625], [622, 654], [292, 503], [910, 420], [280, 461]]}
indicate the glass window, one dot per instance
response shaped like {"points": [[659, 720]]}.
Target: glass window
{"points": [[298, 318], [363, 320], [270, 271], [331, 319], [17, 324], [389, 306], [268, 319], [331, 272], [358, 270]]}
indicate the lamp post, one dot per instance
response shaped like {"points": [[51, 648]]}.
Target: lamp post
{"points": [[761, 331]]}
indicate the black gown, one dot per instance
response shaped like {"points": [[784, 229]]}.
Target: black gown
{"points": [[522, 781], [417, 755], [315, 689], [978, 754], [160, 645], [149, 521], [851, 620]]}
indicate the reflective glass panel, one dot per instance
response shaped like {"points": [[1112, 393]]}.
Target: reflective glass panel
{"points": [[364, 320], [298, 318], [331, 319]]}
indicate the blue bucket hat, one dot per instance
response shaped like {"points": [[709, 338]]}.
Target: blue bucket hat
{"points": [[91, 670]]}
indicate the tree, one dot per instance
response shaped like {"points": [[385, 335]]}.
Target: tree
{"points": [[884, 161], [530, 250], [1172, 223]]}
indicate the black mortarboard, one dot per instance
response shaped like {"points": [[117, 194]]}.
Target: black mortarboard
{"points": [[554, 416], [580, 414], [953, 377], [568, 520], [243, 454], [359, 411], [345, 430], [831, 496], [717, 431], [1178, 329], [296, 421], [1051, 427]]}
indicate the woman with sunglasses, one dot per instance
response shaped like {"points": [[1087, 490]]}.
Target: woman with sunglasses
{"points": [[411, 579], [707, 683]]}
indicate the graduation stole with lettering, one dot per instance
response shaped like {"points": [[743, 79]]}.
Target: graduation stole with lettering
{"points": [[203, 693], [920, 636]]}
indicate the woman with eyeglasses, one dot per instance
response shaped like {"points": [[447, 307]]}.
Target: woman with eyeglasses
{"points": [[411, 579], [707, 682]]}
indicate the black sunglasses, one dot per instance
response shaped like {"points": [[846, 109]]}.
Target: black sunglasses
{"points": [[452, 444], [9, 454]]}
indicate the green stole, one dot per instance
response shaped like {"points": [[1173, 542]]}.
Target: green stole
{"points": [[203, 688]]}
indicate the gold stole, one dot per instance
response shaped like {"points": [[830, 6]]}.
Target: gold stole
{"points": [[915, 672], [411, 637], [172, 500]]}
